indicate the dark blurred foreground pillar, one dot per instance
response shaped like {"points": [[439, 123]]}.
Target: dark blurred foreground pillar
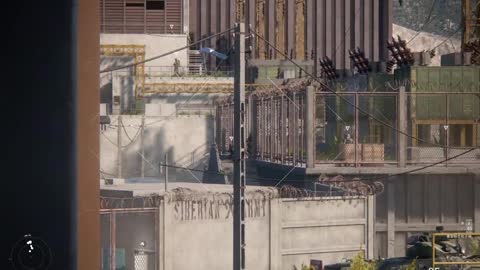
{"points": [[88, 49]]}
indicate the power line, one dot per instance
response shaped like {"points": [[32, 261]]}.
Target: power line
{"points": [[380, 178], [167, 53], [346, 100], [456, 31], [348, 31], [427, 21], [446, 39], [414, 170]]}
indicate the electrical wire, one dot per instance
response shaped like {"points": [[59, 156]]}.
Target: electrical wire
{"points": [[167, 53], [413, 170], [346, 32], [349, 102], [427, 21], [380, 178], [446, 39], [456, 31], [134, 137]]}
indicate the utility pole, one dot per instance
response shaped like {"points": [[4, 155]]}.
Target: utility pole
{"points": [[239, 182]]}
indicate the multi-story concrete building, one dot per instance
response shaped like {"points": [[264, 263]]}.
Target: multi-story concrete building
{"points": [[300, 28]]}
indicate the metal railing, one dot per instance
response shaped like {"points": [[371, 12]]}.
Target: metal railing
{"points": [[186, 71]]}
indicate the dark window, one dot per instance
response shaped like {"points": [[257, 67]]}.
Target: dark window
{"points": [[155, 5], [134, 4]]}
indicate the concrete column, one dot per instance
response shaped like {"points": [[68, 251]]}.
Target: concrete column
{"points": [[186, 16], [309, 21], [391, 218], [271, 26], [476, 198], [168, 231], [161, 236], [290, 33], [370, 227], [376, 29], [309, 126], [275, 233], [402, 126]]}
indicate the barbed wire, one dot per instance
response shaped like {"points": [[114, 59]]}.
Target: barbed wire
{"points": [[346, 100]]}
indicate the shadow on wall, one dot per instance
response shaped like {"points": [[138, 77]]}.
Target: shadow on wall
{"points": [[154, 155], [106, 79], [213, 165], [132, 158]]}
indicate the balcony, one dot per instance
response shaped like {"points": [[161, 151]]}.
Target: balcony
{"points": [[358, 129]]}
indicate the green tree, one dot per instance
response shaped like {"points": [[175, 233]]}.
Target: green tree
{"points": [[359, 263], [412, 265], [303, 267]]}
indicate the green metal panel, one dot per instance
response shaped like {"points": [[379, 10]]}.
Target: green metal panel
{"points": [[441, 79], [444, 79]]}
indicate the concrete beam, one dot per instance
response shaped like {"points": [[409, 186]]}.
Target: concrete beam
{"points": [[330, 170], [329, 249], [339, 222]]}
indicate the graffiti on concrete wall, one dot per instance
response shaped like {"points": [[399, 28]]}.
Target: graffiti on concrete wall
{"points": [[207, 209]]}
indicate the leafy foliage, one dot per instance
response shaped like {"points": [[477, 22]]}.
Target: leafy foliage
{"points": [[473, 246], [303, 267], [359, 263], [412, 265]]}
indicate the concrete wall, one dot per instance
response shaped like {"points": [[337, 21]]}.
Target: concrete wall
{"points": [[419, 203], [207, 243], [186, 139], [280, 233], [328, 230], [154, 45]]}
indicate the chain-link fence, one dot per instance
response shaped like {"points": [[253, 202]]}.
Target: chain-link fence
{"points": [[443, 125], [355, 128], [359, 128], [129, 239]]}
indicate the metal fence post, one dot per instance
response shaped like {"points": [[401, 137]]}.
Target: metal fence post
{"points": [[446, 127], [402, 126], [252, 122], [295, 130], [309, 126], [356, 125]]}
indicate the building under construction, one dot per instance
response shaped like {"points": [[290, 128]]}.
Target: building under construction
{"points": [[297, 27]]}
